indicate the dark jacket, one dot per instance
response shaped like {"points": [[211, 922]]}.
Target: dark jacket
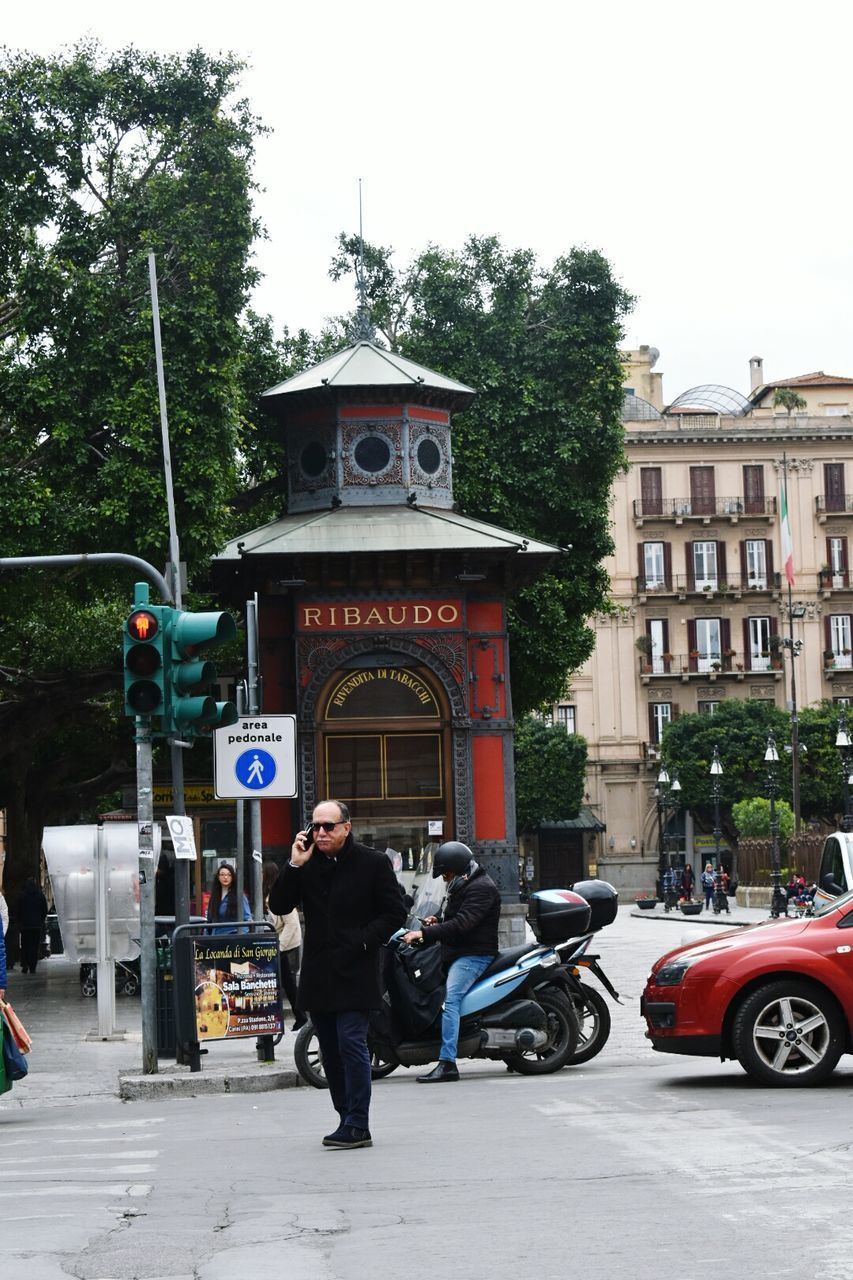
{"points": [[351, 904], [30, 907], [471, 914], [2, 961]]}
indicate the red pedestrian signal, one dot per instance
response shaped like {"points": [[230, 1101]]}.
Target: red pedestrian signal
{"points": [[143, 625]]}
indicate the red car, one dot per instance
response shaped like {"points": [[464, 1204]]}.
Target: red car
{"points": [[778, 996]]}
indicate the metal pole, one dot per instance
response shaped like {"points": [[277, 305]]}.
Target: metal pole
{"points": [[721, 902], [174, 551], [254, 708], [778, 900], [241, 834], [105, 963], [795, 723], [93, 557], [148, 960]]}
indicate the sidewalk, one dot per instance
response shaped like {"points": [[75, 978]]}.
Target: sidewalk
{"points": [[68, 1066], [737, 917]]}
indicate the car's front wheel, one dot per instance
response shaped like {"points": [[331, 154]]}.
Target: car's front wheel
{"points": [[788, 1033]]}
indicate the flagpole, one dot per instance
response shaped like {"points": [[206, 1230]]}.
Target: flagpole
{"points": [[788, 556]]}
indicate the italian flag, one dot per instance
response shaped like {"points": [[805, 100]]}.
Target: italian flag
{"points": [[787, 545]]}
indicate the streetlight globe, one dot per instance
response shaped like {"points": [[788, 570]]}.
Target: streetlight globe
{"points": [[842, 738], [676, 785], [663, 776], [771, 755]]}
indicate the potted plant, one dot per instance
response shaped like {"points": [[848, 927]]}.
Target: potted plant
{"points": [[690, 908], [716, 665], [825, 575], [775, 641], [646, 901], [644, 644], [829, 657]]}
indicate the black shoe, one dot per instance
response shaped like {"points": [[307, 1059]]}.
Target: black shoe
{"points": [[444, 1071], [345, 1136]]}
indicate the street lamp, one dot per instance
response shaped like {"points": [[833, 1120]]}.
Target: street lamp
{"points": [[778, 900], [794, 647], [667, 798], [721, 902], [842, 741]]}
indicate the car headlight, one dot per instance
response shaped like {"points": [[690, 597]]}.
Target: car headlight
{"points": [[672, 973]]}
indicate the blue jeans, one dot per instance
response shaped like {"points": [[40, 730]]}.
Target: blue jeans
{"points": [[461, 976], [346, 1062]]}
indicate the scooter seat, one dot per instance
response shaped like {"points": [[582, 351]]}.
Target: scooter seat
{"points": [[506, 959]]}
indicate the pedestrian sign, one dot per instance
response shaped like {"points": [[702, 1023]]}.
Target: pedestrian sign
{"points": [[256, 758]]}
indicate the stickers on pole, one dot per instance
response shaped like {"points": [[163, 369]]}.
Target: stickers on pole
{"points": [[256, 758], [183, 835]]}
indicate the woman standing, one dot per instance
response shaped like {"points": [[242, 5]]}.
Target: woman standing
{"points": [[708, 885], [289, 932], [688, 882], [222, 907]]}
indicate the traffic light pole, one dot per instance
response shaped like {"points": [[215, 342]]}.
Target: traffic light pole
{"points": [[148, 959]]}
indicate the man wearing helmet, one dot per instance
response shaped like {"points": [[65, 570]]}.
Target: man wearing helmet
{"points": [[468, 935]]}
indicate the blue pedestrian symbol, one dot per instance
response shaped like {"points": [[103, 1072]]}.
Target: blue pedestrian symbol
{"points": [[255, 769]]}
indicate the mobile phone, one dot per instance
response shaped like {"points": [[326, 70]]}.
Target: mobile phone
{"points": [[307, 838]]}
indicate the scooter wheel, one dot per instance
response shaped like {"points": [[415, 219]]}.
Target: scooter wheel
{"points": [[562, 1038], [309, 1059], [593, 1018]]}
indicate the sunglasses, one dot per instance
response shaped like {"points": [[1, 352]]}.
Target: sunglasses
{"points": [[326, 826]]}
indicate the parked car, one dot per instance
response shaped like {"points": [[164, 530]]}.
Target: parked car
{"points": [[777, 996], [835, 874]]}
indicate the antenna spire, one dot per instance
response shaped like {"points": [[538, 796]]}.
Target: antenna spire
{"points": [[363, 330]]}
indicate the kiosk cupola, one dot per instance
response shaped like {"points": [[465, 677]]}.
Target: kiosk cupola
{"points": [[368, 427]]}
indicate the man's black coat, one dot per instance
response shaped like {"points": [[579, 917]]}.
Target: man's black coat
{"points": [[351, 904]]}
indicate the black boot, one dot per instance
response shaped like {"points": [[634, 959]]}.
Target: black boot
{"points": [[444, 1071]]}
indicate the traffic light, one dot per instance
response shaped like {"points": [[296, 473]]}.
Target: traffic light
{"points": [[189, 710], [146, 660]]}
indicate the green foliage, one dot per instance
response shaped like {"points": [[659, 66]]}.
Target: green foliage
{"points": [[541, 445], [739, 729], [550, 767], [788, 399], [752, 818], [104, 157]]}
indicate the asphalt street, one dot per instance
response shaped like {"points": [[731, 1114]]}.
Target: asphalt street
{"points": [[636, 1164]]}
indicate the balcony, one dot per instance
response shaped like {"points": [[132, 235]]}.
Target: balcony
{"points": [[833, 504], [829, 581], [837, 664], [704, 510], [733, 587], [711, 666]]}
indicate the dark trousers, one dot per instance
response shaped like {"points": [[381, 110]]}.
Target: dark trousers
{"points": [[289, 962], [346, 1062], [30, 943]]}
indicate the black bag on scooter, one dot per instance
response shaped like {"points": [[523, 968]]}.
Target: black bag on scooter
{"points": [[416, 985]]}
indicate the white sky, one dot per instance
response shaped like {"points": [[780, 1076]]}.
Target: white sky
{"points": [[705, 149]]}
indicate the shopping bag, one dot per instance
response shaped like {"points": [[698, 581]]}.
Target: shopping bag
{"points": [[13, 1060], [17, 1028]]}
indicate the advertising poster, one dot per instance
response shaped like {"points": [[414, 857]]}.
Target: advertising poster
{"points": [[236, 987]]}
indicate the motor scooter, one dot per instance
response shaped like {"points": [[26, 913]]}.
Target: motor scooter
{"points": [[521, 1011]]}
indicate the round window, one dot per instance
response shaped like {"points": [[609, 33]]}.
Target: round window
{"points": [[372, 453], [429, 456], [312, 460]]}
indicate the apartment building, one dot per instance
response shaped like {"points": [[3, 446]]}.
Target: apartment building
{"points": [[698, 581]]}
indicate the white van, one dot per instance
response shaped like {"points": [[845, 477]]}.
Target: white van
{"points": [[835, 875]]}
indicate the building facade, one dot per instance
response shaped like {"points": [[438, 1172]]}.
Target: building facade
{"points": [[697, 578]]}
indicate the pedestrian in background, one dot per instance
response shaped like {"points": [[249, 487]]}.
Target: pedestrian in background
{"points": [[30, 914], [708, 885], [289, 932], [351, 905], [688, 882], [4, 916], [222, 907]]}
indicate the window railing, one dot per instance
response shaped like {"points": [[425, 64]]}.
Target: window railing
{"points": [[704, 663], [682, 584], [836, 503], [830, 580], [676, 508]]}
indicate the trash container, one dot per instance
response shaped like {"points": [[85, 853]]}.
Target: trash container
{"points": [[166, 1035]]}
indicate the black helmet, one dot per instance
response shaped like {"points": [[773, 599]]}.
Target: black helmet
{"points": [[451, 856]]}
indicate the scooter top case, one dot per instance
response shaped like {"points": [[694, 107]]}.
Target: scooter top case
{"points": [[557, 914]]}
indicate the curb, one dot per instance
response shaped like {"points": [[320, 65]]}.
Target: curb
{"points": [[677, 917], [192, 1084]]}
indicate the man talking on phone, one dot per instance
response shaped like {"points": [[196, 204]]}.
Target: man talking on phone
{"points": [[351, 904]]}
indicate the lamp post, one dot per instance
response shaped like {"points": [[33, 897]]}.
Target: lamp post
{"points": [[778, 900], [721, 902], [666, 797], [843, 743], [794, 647]]}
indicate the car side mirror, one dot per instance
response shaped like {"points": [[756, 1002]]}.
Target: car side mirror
{"points": [[830, 886]]}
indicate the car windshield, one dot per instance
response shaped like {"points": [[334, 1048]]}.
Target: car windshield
{"points": [[843, 900]]}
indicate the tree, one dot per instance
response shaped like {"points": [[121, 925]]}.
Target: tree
{"points": [[739, 730], [752, 819], [104, 157], [788, 399], [540, 447], [550, 768]]}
